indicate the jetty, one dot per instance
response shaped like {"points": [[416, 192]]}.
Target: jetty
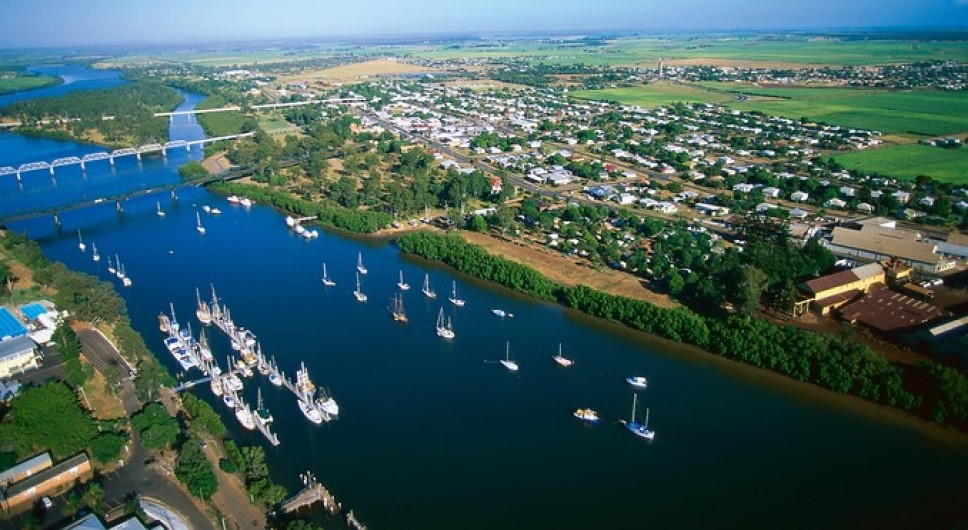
{"points": [[312, 493]]}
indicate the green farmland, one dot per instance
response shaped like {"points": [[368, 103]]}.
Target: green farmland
{"points": [[913, 114], [17, 83], [909, 161]]}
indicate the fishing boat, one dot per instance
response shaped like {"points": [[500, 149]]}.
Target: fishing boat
{"points": [[111, 269], [637, 381], [588, 415], [399, 315], [163, 323], [444, 330], [202, 310], [245, 416], [359, 263], [80, 242], [404, 286], [636, 428], [453, 295], [198, 223], [507, 362], [158, 210], [326, 280], [564, 361], [426, 288], [360, 297], [94, 255]]}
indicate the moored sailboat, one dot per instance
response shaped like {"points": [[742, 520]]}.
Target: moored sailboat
{"points": [[453, 295], [358, 293], [397, 311], [80, 242], [359, 264], [426, 288], [507, 362], [444, 331], [326, 279], [404, 286], [560, 359], [94, 255], [198, 223], [111, 269], [202, 311], [158, 210], [636, 428]]}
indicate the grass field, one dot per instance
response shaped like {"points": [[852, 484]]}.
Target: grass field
{"points": [[656, 95], [26, 82], [348, 73], [913, 113], [909, 161], [271, 121], [725, 51]]}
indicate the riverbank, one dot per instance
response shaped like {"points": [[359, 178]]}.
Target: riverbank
{"points": [[843, 366]]}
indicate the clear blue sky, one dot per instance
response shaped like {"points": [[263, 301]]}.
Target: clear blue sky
{"points": [[96, 22]]}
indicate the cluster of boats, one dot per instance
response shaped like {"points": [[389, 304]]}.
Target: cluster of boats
{"points": [[296, 226], [316, 404], [242, 201], [115, 268], [632, 425]]}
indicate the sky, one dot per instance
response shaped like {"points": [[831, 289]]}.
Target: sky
{"points": [[54, 23]]}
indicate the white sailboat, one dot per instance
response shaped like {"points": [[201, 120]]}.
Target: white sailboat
{"points": [[80, 242], [426, 288], [94, 255], [397, 311], [119, 268], [111, 269], [453, 295], [125, 280], [636, 428], [202, 311], [444, 330], [198, 223], [360, 297], [359, 263], [404, 286], [564, 361], [326, 280], [158, 210], [507, 362]]}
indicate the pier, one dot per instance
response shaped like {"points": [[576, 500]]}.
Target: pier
{"points": [[311, 494]]}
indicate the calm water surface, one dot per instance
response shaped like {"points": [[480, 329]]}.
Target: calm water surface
{"points": [[435, 434]]}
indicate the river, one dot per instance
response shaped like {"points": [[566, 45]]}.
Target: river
{"points": [[435, 434]]}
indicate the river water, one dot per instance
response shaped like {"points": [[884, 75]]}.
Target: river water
{"points": [[436, 434]]}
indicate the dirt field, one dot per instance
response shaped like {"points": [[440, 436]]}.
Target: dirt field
{"points": [[354, 72], [216, 164], [568, 271]]}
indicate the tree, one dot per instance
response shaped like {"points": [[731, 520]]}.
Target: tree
{"points": [[47, 416], [477, 223], [106, 447], [749, 287], [195, 471], [158, 430]]}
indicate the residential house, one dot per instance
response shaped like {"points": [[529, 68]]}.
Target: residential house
{"points": [[799, 196], [17, 355], [771, 192]]}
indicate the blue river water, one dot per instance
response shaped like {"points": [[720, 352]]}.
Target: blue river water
{"points": [[436, 434], [75, 77]]}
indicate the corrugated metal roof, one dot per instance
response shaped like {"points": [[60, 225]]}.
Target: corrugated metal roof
{"points": [[890, 311], [41, 461], [886, 242], [9, 325]]}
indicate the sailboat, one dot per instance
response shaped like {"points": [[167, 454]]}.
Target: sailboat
{"points": [[359, 263], [426, 288], [326, 281], [507, 362], [262, 414], [360, 297], [203, 312], [94, 255], [399, 315], [444, 331], [159, 211], [244, 414], [564, 361], [80, 242], [111, 268], [125, 280], [453, 295], [198, 223], [404, 286], [636, 428]]}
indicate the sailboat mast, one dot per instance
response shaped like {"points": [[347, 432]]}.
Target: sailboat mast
{"points": [[635, 398]]}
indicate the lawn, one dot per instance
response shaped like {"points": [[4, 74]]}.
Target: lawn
{"points": [[909, 161], [26, 82], [272, 121], [656, 95]]}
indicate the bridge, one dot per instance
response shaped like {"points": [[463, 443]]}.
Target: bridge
{"points": [[119, 199], [110, 156]]}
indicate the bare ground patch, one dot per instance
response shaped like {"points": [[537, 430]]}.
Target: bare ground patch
{"points": [[569, 271]]}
